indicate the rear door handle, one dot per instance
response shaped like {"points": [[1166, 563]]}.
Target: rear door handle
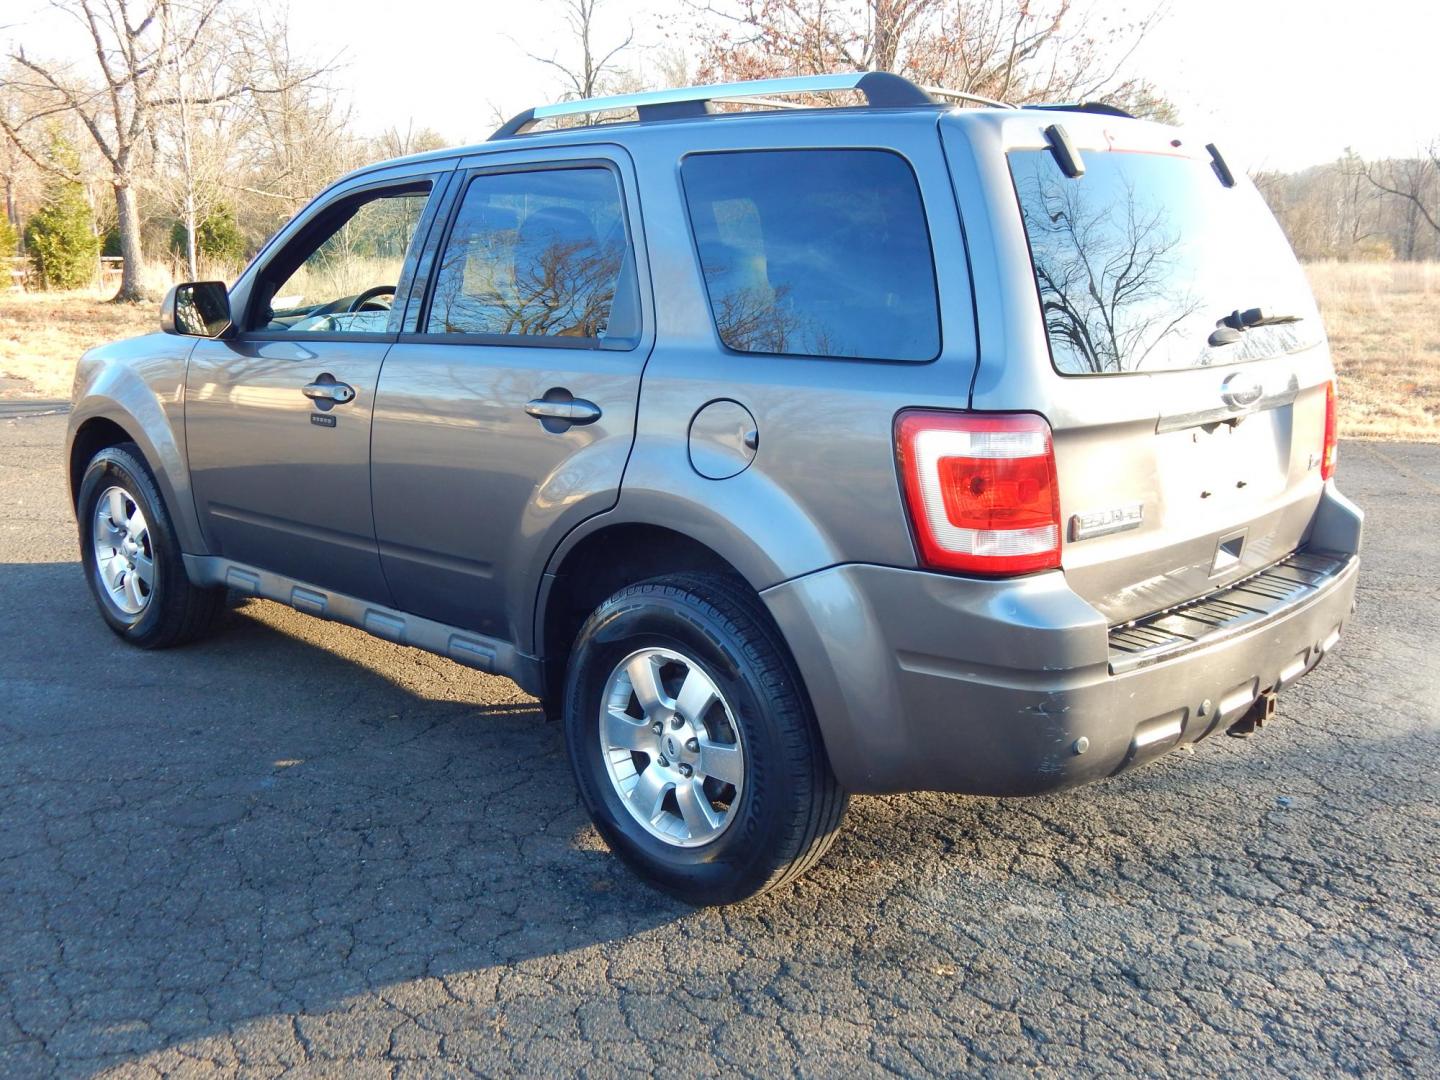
{"points": [[558, 410], [325, 388]]}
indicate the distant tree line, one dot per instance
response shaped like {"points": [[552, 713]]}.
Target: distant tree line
{"points": [[1352, 208], [189, 130]]}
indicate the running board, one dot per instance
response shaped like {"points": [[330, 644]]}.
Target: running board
{"points": [[463, 646]]}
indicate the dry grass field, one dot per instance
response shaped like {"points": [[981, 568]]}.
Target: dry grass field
{"points": [[1384, 325], [43, 334], [1383, 320]]}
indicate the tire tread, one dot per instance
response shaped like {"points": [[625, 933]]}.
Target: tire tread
{"points": [[822, 801]]}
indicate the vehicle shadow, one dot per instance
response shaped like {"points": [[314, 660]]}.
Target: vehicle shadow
{"points": [[257, 823]]}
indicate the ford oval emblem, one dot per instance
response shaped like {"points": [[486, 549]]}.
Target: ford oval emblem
{"points": [[1240, 390]]}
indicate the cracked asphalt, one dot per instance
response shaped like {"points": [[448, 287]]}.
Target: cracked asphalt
{"points": [[296, 850]]}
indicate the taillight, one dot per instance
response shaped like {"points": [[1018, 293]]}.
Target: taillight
{"points": [[980, 490], [1332, 447]]}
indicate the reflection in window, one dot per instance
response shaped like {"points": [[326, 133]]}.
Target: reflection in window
{"points": [[1138, 259], [537, 254], [815, 252]]}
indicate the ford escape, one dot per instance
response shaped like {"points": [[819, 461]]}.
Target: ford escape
{"points": [[782, 453]]}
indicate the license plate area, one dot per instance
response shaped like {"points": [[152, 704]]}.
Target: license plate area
{"points": [[1224, 465]]}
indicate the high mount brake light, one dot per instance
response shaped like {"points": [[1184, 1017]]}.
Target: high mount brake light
{"points": [[1332, 445], [980, 490]]}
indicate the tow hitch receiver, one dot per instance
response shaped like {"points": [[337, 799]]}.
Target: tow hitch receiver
{"points": [[1255, 717]]}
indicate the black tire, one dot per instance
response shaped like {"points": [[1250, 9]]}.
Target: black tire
{"points": [[790, 807], [175, 611]]}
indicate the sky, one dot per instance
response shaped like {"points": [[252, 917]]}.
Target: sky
{"points": [[1281, 84]]}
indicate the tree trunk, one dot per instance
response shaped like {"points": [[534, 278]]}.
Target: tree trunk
{"points": [[191, 225], [884, 36], [127, 214]]}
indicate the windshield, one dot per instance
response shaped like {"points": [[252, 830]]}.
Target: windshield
{"points": [[1141, 261]]}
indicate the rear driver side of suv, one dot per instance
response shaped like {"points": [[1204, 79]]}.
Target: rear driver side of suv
{"points": [[781, 454]]}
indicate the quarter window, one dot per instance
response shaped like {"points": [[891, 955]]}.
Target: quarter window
{"points": [[538, 254], [815, 252]]}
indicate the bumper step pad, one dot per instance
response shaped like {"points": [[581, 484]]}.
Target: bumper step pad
{"points": [[1280, 588]]}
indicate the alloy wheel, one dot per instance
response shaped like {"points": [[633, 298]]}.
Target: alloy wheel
{"points": [[124, 557], [672, 748]]}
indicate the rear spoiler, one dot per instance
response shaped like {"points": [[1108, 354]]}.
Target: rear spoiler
{"points": [[1098, 107]]}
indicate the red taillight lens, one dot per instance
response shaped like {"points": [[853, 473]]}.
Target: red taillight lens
{"points": [[1332, 442], [980, 490]]}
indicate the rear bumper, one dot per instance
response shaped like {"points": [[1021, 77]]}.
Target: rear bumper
{"points": [[930, 682]]}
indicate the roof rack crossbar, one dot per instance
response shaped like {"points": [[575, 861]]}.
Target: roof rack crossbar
{"points": [[765, 102], [881, 90], [965, 95]]}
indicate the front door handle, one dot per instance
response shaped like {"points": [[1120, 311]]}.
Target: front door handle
{"points": [[326, 389], [559, 410]]}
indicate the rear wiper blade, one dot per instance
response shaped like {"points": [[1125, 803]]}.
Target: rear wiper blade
{"points": [[1250, 317]]}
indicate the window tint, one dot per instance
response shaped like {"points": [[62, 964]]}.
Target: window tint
{"points": [[815, 252], [341, 278], [538, 254], [1139, 259]]}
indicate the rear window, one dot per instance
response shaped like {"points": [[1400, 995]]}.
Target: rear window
{"points": [[1139, 259], [815, 252]]}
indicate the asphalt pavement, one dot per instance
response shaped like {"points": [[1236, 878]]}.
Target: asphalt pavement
{"points": [[296, 850]]}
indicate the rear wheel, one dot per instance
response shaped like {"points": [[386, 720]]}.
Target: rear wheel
{"points": [[132, 557], [692, 742]]}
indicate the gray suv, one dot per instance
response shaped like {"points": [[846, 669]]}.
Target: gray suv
{"points": [[781, 453]]}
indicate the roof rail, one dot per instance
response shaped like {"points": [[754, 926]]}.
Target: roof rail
{"points": [[881, 90]]}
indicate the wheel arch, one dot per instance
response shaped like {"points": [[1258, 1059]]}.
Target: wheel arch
{"points": [[592, 566], [97, 424], [597, 562], [90, 437]]}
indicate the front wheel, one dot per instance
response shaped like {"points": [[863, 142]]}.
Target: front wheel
{"points": [[132, 556], [693, 744]]}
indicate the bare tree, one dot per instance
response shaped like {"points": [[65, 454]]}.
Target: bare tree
{"points": [[584, 75], [294, 140], [137, 44], [1354, 202], [18, 175], [1416, 183], [392, 142], [1015, 50], [186, 149]]}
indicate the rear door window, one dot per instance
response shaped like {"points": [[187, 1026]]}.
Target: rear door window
{"points": [[538, 254], [1140, 259], [815, 252]]}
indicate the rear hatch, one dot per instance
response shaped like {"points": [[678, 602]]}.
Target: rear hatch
{"points": [[1186, 372]]}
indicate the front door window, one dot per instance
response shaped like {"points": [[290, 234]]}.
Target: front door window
{"points": [[341, 275]]}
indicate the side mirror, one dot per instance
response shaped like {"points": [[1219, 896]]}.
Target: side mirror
{"points": [[196, 309]]}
